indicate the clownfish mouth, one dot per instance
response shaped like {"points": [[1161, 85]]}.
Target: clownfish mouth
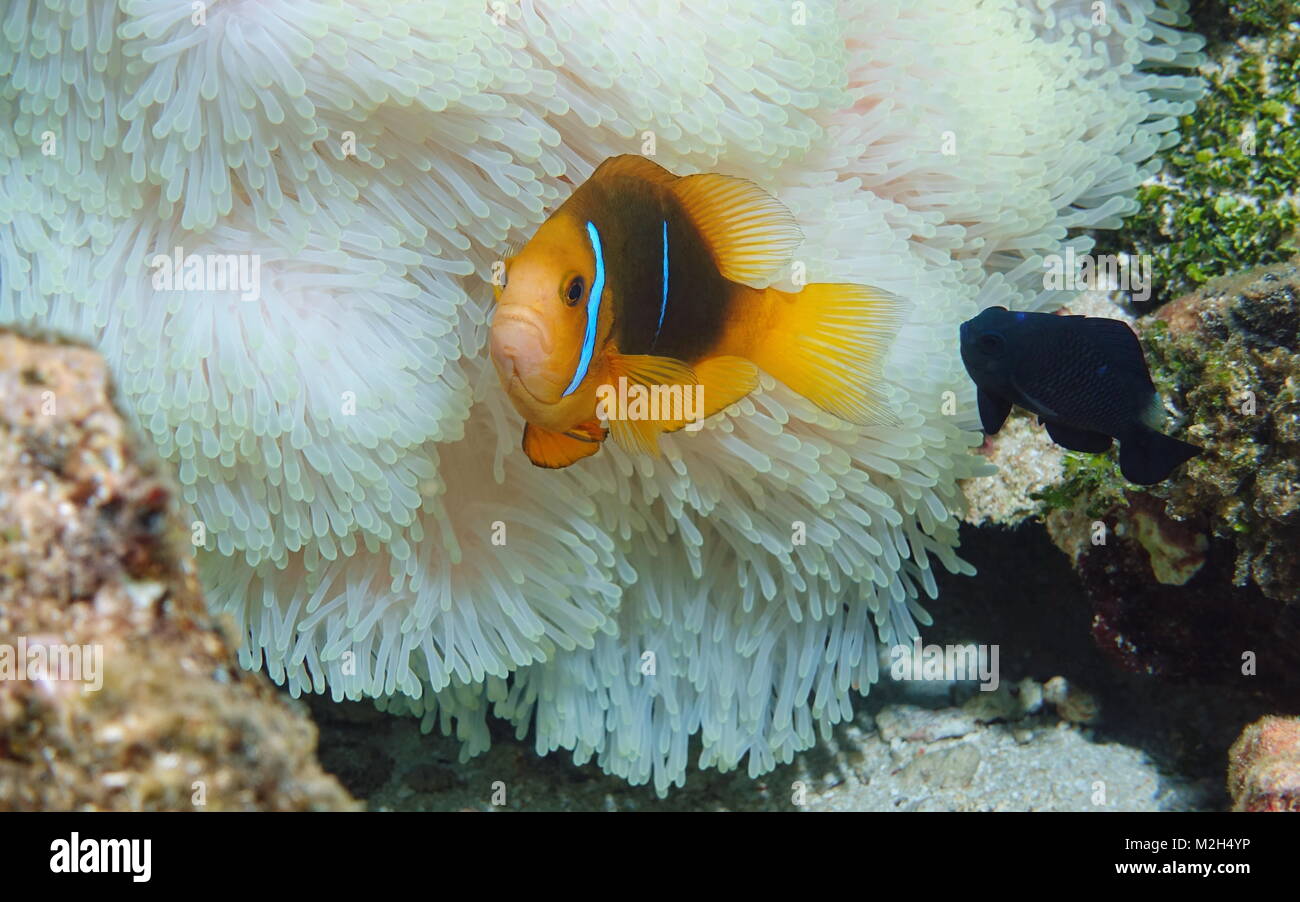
{"points": [[517, 384], [517, 331], [520, 350], [520, 347]]}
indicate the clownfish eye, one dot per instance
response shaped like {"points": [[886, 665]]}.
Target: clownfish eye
{"points": [[573, 293], [991, 342]]}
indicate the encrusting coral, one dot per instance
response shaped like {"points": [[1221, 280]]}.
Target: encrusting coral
{"points": [[352, 468]]}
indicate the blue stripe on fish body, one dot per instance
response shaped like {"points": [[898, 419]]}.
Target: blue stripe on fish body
{"points": [[593, 311], [663, 303]]}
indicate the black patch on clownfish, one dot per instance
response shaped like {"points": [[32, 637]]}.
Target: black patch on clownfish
{"points": [[630, 215]]}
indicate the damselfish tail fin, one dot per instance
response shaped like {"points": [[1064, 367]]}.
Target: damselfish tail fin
{"points": [[828, 343], [1147, 457]]}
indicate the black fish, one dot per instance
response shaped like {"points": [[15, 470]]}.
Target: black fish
{"points": [[1084, 376]]}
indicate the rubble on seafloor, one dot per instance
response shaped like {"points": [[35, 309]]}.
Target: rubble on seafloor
{"points": [[1007, 749], [118, 691]]}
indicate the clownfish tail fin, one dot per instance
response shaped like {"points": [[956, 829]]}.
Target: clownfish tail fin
{"points": [[828, 343]]}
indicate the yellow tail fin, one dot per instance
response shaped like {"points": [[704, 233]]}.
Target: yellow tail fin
{"points": [[828, 343]]}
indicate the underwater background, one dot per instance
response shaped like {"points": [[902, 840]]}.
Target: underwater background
{"points": [[339, 458]]}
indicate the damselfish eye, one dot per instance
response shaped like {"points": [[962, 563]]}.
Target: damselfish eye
{"points": [[991, 342], [573, 293]]}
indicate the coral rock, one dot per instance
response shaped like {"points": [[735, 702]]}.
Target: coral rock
{"points": [[1071, 702], [149, 708], [913, 724], [1264, 766], [1176, 550], [1231, 354], [1198, 576]]}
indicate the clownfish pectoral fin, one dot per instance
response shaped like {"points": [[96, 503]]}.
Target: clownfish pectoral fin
{"points": [[639, 436], [751, 233], [647, 369], [828, 343], [637, 416], [555, 450], [725, 380]]}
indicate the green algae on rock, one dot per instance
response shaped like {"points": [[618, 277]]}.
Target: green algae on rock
{"points": [[1225, 197], [1231, 354]]}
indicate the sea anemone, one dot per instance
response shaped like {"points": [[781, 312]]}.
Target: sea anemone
{"points": [[352, 466]]}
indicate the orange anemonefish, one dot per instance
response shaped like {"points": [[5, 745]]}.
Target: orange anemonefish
{"points": [[642, 278]]}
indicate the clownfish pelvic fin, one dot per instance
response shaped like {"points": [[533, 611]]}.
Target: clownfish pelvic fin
{"points": [[555, 450]]}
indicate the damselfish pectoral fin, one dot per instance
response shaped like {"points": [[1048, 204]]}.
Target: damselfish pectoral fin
{"points": [[1074, 439], [993, 411], [1029, 402], [555, 450]]}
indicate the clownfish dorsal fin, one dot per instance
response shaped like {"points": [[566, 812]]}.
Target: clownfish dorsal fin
{"points": [[750, 232], [638, 167], [639, 433], [554, 450]]}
